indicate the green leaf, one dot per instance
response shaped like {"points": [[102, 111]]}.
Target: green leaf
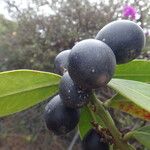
{"points": [[85, 121], [124, 104], [21, 89], [87, 115], [138, 70], [133, 97], [142, 135]]}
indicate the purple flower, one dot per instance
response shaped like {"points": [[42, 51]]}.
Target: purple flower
{"points": [[129, 11]]}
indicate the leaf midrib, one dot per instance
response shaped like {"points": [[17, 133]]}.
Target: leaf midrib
{"points": [[27, 90], [134, 91], [131, 99]]}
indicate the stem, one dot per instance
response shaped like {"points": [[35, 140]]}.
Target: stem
{"points": [[108, 121], [73, 141]]}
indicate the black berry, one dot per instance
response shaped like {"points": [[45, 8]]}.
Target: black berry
{"points": [[125, 38], [59, 118], [61, 62], [94, 141], [91, 63], [71, 94]]}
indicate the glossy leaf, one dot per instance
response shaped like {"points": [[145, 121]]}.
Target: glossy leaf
{"points": [[21, 89], [85, 121], [87, 116], [133, 97], [122, 103], [138, 70]]}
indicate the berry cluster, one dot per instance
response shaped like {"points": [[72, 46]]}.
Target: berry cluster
{"points": [[90, 64]]}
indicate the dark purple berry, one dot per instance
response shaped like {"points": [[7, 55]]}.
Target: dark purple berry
{"points": [[91, 64], [125, 38], [61, 62], [59, 118], [71, 94], [94, 141]]}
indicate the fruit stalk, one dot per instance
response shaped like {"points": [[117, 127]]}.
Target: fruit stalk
{"points": [[108, 121]]}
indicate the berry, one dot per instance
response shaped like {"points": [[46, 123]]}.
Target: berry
{"points": [[71, 94], [60, 119], [61, 62], [91, 63], [94, 141], [125, 38]]}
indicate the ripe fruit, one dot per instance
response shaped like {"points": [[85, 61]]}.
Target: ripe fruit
{"points": [[61, 62], [91, 63], [125, 38], [93, 141], [60, 119], [71, 94]]}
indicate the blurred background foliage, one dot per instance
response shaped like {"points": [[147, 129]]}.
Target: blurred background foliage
{"points": [[31, 40]]}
